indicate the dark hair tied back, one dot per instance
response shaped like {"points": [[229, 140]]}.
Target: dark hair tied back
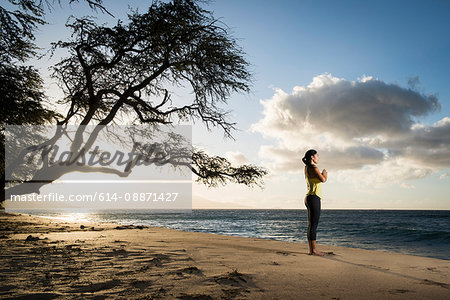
{"points": [[307, 158]]}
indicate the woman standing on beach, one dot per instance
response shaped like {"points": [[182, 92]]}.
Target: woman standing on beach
{"points": [[314, 181]]}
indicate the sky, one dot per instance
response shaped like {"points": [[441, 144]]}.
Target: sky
{"points": [[365, 83]]}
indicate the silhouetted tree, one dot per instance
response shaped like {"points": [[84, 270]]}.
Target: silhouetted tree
{"points": [[21, 86], [128, 69]]}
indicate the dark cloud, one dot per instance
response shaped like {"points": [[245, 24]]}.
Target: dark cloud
{"points": [[359, 109], [427, 145], [413, 82], [350, 158]]}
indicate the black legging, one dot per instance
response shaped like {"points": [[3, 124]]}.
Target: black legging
{"points": [[312, 202]]}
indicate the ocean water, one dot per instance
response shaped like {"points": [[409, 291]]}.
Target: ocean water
{"points": [[415, 232]]}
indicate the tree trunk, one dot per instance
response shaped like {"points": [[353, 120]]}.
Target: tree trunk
{"points": [[2, 196]]}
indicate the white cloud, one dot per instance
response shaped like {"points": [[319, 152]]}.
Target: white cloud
{"points": [[392, 171], [236, 158], [366, 127], [445, 175], [345, 109]]}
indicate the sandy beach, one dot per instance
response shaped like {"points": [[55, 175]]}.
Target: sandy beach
{"points": [[45, 258]]}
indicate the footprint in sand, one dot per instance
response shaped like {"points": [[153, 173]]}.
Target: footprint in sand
{"points": [[190, 270], [141, 284], [95, 287]]}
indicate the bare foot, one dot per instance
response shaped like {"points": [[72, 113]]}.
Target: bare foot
{"points": [[317, 253]]}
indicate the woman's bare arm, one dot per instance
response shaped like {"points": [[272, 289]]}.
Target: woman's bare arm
{"points": [[322, 176]]}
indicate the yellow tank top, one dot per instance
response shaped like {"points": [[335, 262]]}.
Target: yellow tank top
{"points": [[314, 185]]}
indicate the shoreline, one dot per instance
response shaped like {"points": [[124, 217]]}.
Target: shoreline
{"points": [[93, 260], [419, 250]]}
